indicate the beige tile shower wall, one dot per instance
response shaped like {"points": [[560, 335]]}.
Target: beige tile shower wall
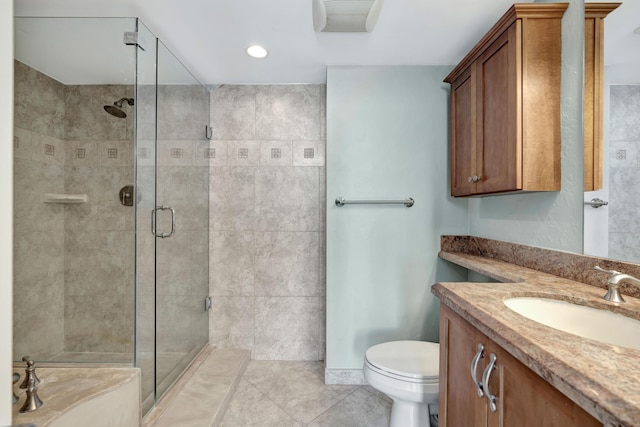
{"points": [[38, 147], [624, 164], [267, 215], [99, 241]]}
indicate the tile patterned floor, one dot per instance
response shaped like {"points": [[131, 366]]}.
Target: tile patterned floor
{"points": [[293, 394]]}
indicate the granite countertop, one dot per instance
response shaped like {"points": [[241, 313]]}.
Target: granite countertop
{"points": [[600, 378], [64, 388]]}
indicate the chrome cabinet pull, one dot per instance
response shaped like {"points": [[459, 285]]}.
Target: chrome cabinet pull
{"points": [[173, 221], [485, 380], [474, 367]]}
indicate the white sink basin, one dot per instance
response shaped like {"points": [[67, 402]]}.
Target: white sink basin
{"points": [[586, 322]]}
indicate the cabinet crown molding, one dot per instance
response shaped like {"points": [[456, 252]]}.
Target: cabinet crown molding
{"points": [[515, 12], [599, 10]]}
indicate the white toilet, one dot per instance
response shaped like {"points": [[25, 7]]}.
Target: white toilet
{"points": [[407, 372]]}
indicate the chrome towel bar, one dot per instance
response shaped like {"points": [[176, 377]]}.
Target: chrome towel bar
{"points": [[596, 203], [340, 202]]}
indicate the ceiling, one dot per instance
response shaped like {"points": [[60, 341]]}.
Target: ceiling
{"points": [[210, 36]]}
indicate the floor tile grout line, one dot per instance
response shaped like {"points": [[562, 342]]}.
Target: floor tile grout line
{"points": [[320, 378], [334, 405], [274, 403]]}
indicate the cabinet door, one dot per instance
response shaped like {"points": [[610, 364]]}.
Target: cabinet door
{"points": [[499, 142], [526, 400], [459, 403], [463, 133]]}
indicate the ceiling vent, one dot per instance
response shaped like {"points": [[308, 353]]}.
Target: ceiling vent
{"points": [[345, 15]]}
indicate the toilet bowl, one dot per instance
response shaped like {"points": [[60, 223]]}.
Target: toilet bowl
{"points": [[407, 372]]}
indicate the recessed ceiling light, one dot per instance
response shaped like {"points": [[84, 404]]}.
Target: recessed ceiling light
{"points": [[256, 51]]}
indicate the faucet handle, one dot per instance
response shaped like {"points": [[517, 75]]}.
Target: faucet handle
{"points": [[30, 372], [609, 272], [613, 294]]}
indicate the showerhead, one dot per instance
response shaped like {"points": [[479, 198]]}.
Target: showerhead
{"points": [[116, 109]]}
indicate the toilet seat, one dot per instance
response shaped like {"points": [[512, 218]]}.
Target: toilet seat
{"points": [[412, 361]]}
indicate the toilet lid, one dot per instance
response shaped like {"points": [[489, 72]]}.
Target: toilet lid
{"points": [[416, 359]]}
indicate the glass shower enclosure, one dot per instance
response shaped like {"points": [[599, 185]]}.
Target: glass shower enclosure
{"points": [[111, 193]]}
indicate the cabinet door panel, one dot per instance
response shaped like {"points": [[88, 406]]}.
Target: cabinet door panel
{"points": [[463, 128], [498, 141], [527, 400], [460, 406]]}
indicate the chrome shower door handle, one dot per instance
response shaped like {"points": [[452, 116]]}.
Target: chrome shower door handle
{"points": [[173, 221]]}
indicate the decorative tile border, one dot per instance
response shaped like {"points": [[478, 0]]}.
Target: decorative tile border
{"points": [[209, 153], [49, 150], [309, 153]]}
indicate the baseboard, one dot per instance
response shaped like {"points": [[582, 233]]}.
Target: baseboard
{"points": [[344, 376]]}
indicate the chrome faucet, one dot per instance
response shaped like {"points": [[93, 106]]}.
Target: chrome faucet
{"points": [[30, 383], [614, 281]]}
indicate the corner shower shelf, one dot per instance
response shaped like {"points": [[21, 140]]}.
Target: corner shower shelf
{"points": [[64, 198]]}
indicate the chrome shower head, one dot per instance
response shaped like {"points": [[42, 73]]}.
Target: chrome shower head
{"points": [[116, 109]]}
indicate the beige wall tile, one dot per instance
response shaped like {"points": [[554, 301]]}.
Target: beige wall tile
{"points": [[39, 102], [232, 198], [85, 117], [287, 199], [232, 263], [288, 112], [286, 328], [232, 322], [287, 264], [233, 110]]}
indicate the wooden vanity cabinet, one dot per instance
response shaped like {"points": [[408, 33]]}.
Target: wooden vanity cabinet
{"points": [[523, 398], [505, 106], [594, 14]]}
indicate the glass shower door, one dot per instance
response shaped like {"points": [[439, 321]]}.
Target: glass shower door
{"points": [[182, 219], [145, 196]]}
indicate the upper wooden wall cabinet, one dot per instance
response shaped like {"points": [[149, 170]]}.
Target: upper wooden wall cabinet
{"points": [[594, 14], [505, 106]]}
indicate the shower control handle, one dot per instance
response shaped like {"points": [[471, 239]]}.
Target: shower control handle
{"points": [[153, 221]]}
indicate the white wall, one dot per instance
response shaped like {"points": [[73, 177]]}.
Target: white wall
{"points": [[596, 221], [6, 206], [386, 139], [551, 220]]}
